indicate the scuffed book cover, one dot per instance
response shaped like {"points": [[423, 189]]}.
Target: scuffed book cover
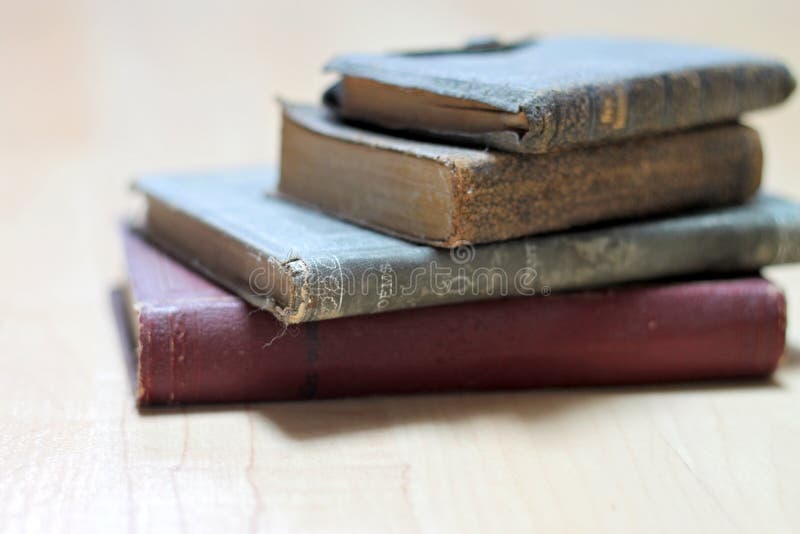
{"points": [[304, 265], [444, 195], [573, 91], [196, 343]]}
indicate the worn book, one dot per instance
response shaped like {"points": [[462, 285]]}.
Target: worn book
{"points": [[303, 265], [552, 93], [444, 195], [196, 343]]}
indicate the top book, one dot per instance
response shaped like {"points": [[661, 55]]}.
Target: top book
{"points": [[541, 95]]}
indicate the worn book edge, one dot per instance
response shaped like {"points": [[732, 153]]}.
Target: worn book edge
{"points": [[175, 337], [293, 274], [544, 108], [308, 298], [465, 168]]}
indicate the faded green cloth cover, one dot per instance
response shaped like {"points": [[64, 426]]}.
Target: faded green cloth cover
{"points": [[585, 90], [339, 269]]}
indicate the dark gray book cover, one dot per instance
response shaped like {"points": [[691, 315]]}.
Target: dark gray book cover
{"points": [[582, 90], [303, 265]]}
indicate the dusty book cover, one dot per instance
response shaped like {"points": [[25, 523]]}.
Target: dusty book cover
{"points": [[445, 195], [303, 265], [196, 343], [553, 93]]}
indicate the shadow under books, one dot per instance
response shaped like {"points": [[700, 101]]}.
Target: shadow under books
{"points": [[314, 419]]}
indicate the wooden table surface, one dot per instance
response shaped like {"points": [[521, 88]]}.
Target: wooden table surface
{"points": [[94, 92]]}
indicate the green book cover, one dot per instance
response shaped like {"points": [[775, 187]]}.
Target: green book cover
{"points": [[303, 265]]}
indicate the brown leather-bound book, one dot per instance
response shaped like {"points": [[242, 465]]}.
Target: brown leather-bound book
{"points": [[198, 343], [445, 196]]}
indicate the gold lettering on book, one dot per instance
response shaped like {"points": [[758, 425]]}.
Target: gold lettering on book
{"points": [[615, 109], [607, 115]]}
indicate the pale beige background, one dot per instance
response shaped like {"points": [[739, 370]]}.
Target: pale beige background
{"points": [[93, 92]]}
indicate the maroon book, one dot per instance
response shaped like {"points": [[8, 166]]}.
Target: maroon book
{"points": [[198, 343]]}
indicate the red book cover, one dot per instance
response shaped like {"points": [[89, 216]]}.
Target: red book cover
{"points": [[198, 343]]}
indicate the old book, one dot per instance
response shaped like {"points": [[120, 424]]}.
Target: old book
{"points": [[444, 195], [303, 265], [556, 92], [197, 343]]}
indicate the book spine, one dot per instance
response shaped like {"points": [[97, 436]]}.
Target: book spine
{"points": [[687, 331], [737, 239], [611, 111], [215, 351]]}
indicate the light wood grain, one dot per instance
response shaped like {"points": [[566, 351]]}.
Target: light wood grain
{"points": [[94, 92]]}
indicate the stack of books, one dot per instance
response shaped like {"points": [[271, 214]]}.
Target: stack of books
{"points": [[558, 212]]}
